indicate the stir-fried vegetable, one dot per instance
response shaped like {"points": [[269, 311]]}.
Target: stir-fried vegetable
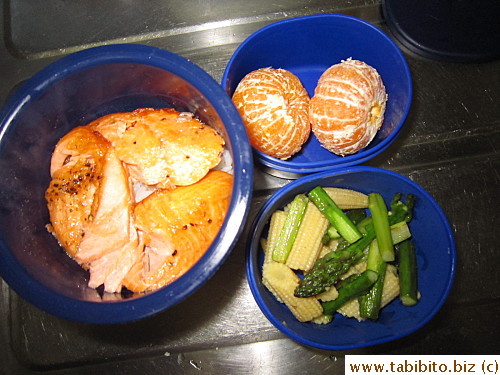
{"points": [[290, 228], [380, 218], [407, 273], [328, 269], [334, 214], [369, 304], [357, 241], [353, 287]]}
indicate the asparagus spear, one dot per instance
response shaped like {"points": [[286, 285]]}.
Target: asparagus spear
{"points": [[325, 240], [355, 215], [334, 214], [380, 218], [327, 270], [333, 232], [352, 287], [290, 228], [369, 304], [400, 212], [407, 273]]}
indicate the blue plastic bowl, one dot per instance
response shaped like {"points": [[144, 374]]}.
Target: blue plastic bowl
{"points": [[435, 248], [307, 46], [74, 91]]}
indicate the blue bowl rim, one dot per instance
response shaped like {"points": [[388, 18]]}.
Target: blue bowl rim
{"points": [[19, 279], [250, 258], [354, 159]]}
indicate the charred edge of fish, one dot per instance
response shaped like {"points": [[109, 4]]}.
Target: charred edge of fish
{"points": [[100, 290], [67, 159], [71, 190], [126, 293], [134, 123]]}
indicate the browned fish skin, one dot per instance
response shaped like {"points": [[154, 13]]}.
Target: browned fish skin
{"points": [[80, 143], [75, 179]]}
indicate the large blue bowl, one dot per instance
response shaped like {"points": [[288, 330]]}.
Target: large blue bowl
{"points": [[435, 249], [307, 46], [74, 91]]}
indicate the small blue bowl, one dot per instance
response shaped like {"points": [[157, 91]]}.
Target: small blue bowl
{"points": [[307, 46], [435, 248], [74, 91]]}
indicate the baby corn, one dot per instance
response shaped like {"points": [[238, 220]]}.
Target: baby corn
{"points": [[277, 221], [347, 199], [281, 282], [308, 243]]}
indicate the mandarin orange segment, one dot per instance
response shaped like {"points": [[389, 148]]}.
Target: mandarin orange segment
{"points": [[348, 107], [274, 104]]}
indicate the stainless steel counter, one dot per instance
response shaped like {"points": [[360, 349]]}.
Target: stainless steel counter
{"points": [[449, 145]]}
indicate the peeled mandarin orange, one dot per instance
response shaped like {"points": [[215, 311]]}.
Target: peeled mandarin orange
{"points": [[274, 106], [348, 107]]}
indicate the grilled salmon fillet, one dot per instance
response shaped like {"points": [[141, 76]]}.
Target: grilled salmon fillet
{"points": [[178, 227], [162, 146], [110, 244], [76, 169], [101, 223]]}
